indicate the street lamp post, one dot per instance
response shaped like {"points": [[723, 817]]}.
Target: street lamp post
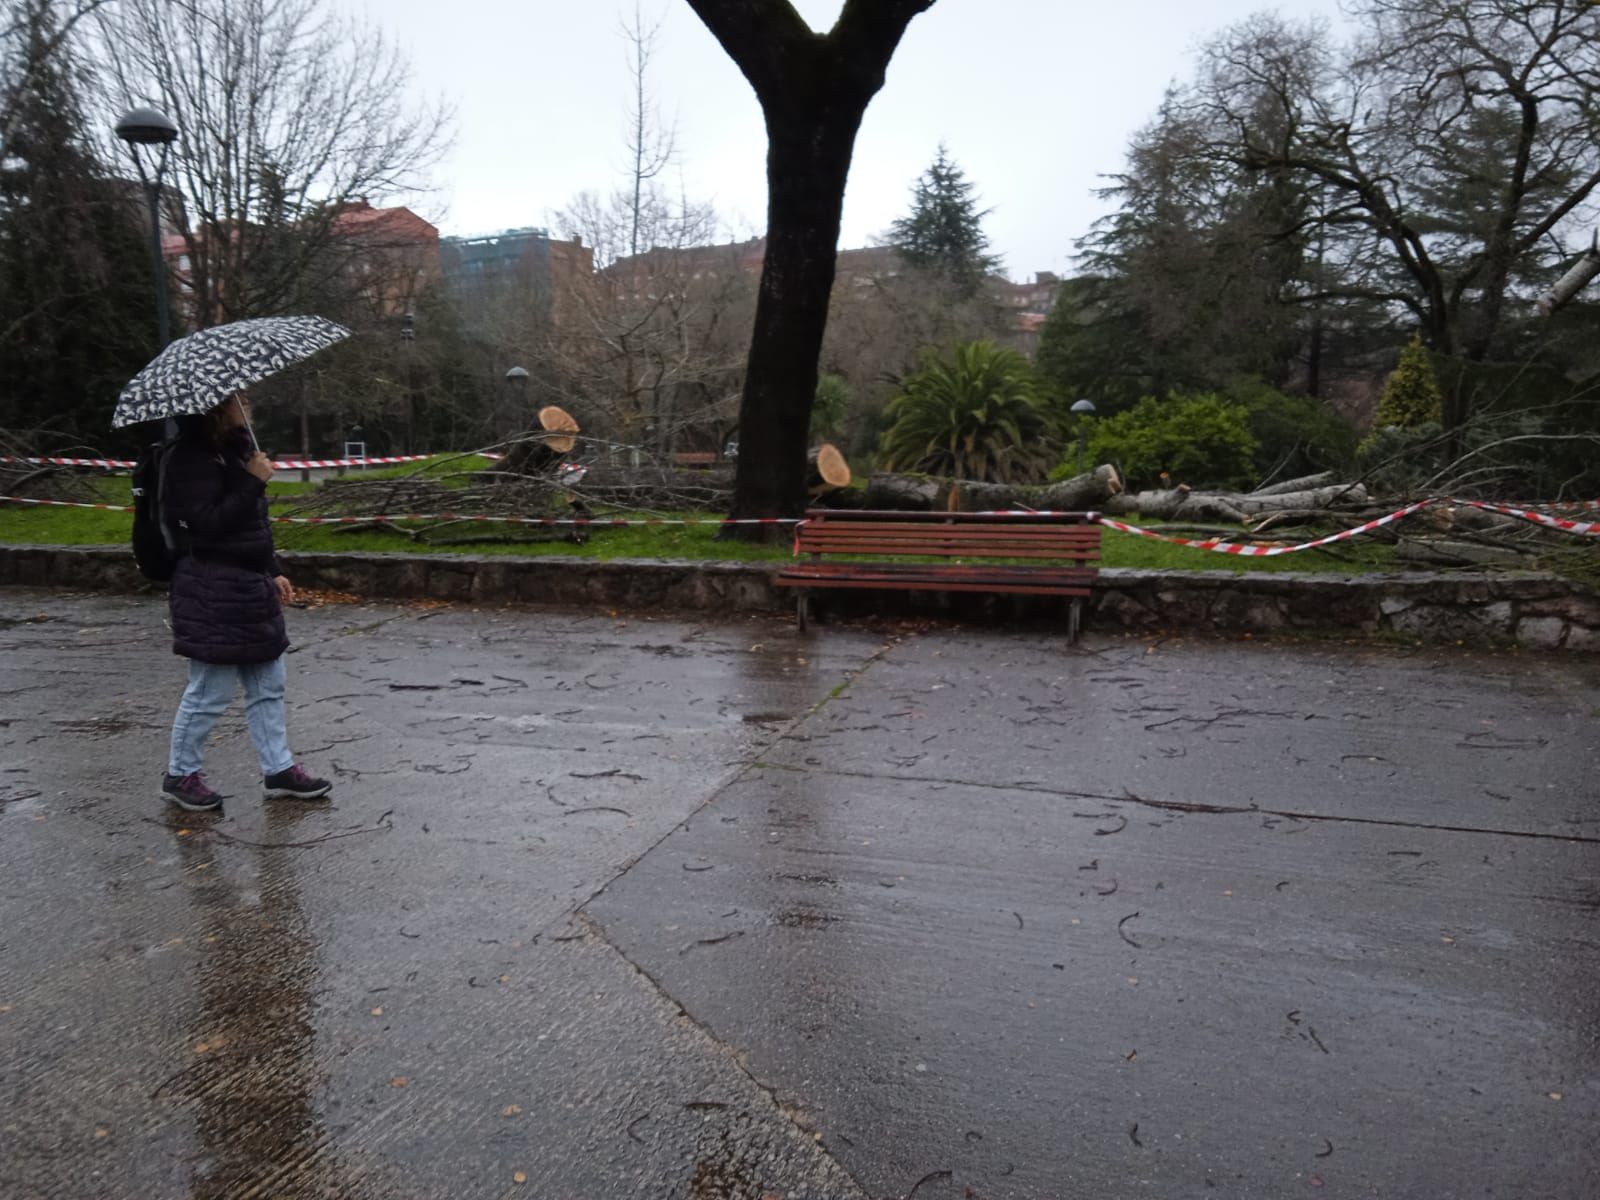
{"points": [[517, 385], [408, 336], [1082, 409], [147, 127]]}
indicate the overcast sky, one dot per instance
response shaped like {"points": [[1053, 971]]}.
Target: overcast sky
{"points": [[1036, 100]]}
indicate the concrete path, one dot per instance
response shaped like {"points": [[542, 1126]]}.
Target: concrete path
{"points": [[608, 907]]}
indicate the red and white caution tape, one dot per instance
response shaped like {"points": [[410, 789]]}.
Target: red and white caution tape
{"points": [[1256, 551], [283, 464], [68, 462], [307, 464], [389, 518], [1538, 518], [65, 503], [1585, 528]]}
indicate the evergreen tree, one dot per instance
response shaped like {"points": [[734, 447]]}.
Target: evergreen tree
{"points": [[1411, 393], [76, 306], [943, 232]]}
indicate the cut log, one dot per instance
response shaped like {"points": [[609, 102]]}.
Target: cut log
{"points": [[907, 493], [1352, 494], [922, 493], [561, 427], [1205, 507], [1160, 504], [1304, 483], [826, 470], [1077, 494]]}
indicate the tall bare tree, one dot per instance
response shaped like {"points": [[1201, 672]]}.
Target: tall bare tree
{"points": [[814, 89], [652, 144], [287, 115], [643, 351]]}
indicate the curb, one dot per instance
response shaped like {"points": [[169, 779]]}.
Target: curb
{"points": [[1532, 609]]}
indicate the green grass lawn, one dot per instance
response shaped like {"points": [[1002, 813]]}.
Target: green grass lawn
{"points": [[29, 525]]}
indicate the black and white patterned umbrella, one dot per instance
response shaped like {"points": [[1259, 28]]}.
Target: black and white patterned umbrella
{"points": [[199, 372]]}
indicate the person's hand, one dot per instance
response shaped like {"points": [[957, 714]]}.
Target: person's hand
{"points": [[260, 466], [285, 589]]}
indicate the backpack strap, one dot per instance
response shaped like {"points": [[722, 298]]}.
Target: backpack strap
{"points": [[178, 546]]}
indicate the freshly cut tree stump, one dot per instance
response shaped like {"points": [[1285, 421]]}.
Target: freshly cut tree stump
{"points": [[826, 470], [555, 438]]}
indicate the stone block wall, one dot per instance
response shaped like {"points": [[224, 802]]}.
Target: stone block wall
{"points": [[1536, 610]]}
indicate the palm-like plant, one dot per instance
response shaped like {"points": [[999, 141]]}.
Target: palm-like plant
{"points": [[971, 414]]}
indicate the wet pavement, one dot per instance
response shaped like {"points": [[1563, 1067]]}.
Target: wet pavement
{"points": [[608, 906]]}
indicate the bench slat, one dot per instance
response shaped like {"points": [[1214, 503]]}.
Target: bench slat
{"points": [[1059, 553]]}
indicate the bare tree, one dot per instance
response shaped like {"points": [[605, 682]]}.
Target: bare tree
{"points": [[652, 145], [1455, 146], [814, 89], [647, 347], [288, 115]]}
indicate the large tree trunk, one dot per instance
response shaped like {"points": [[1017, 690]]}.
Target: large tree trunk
{"points": [[813, 90], [807, 161]]}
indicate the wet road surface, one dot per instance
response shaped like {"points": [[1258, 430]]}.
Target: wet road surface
{"points": [[606, 906]]}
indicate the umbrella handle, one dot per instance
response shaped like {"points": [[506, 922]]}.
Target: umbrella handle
{"points": [[251, 429]]}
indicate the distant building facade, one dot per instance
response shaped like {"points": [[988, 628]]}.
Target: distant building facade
{"points": [[527, 263]]}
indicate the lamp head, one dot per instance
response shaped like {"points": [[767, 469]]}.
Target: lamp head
{"points": [[146, 127]]}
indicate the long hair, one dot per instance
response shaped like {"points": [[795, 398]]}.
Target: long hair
{"points": [[211, 427]]}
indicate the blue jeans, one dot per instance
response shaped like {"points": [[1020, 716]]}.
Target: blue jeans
{"points": [[206, 698]]}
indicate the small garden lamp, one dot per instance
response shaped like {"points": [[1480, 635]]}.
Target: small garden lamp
{"points": [[517, 385], [1082, 408]]}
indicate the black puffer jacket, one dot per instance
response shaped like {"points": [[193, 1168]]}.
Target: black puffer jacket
{"points": [[224, 602]]}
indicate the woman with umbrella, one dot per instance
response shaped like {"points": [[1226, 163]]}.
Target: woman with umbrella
{"points": [[228, 590]]}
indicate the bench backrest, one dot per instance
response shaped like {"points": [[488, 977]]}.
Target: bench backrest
{"points": [[1056, 536]]}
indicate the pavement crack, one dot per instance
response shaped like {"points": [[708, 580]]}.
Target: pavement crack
{"points": [[736, 1057], [1183, 806]]}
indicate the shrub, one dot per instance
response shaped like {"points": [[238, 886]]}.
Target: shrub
{"points": [[971, 414], [1296, 435], [830, 406], [1203, 440], [1411, 393]]}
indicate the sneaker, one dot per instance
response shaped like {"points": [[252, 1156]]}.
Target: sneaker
{"points": [[191, 793], [295, 784]]}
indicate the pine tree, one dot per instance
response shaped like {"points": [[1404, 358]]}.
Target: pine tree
{"points": [[76, 306], [943, 232], [1411, 393]]}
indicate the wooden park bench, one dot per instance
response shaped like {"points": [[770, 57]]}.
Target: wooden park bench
{"points": [[1059, 552]]}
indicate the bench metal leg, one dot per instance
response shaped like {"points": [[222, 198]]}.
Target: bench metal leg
{"points": [[802, 608], [1074, 621]]}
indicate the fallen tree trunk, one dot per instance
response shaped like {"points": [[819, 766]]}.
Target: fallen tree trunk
{"points": [[1162, 504], [1182, 504], [1304, 483], [1352, 494], [923, 493], [1204, 506]]}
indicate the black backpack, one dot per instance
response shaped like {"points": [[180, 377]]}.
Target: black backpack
{"points": [[155, 546]]}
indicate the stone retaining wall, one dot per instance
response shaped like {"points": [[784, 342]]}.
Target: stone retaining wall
{"points": [[1537, 610]]}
